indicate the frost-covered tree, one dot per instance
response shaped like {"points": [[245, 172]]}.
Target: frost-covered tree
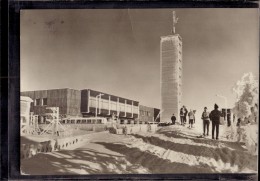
{"points": [[246, 108], [246, 90]]}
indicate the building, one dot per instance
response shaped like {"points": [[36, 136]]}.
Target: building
{"points": [[171, 74], [146, 114], [88, 103], [68, 101], [95, 103], [25, 103]]}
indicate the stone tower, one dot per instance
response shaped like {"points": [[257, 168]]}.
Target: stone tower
{"points": [[171, 74]]}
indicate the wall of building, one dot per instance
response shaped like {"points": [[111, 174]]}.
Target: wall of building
{"points": [[171, 76], [76, 103], [107, 104], [146, 113], [67, 100]]}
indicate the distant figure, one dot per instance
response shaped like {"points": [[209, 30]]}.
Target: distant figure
{"points": [[173, 118], [191, 118], [205, 118], [215, 118], [182, 116], [238, 122], [185, 111], [194, 112]]}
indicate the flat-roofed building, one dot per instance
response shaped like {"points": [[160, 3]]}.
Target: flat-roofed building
{"points": [[107, 104], [68, 101]]}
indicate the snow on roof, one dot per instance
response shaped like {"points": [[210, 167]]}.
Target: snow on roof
{"points": [[25, 98]]}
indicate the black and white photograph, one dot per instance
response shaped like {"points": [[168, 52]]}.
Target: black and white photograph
{"points": [[139, 91]]}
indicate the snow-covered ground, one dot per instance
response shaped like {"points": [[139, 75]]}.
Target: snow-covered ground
{"points": [[172, 149]]}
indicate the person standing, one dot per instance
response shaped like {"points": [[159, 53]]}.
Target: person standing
{"points": [[185, 112], [182, 116], [173, 118], [205, 118], [191, 118], [215, 118], [194, 112]]}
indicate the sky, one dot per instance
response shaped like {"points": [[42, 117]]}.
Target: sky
{"points": [[117, 51]]}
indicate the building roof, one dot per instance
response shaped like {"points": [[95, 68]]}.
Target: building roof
{"points": [[25, 98]]}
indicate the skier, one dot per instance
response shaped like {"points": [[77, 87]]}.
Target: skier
{"points": [[173, 118], [215, 118], [191, 118], [205, 118]]}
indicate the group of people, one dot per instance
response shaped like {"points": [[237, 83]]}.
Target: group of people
{"points": [[213, 116], [183, 116]]}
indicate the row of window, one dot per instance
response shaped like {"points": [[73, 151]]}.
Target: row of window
{"points": [[144, 113], [104, 104], [40, 102]]}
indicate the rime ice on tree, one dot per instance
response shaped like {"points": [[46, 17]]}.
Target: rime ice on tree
{"points": [[171, 74]]}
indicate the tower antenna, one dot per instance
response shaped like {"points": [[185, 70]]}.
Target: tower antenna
{"points": [[174, 21]]}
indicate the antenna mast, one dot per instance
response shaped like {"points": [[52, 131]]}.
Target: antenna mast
{"points": [[174, 21]]}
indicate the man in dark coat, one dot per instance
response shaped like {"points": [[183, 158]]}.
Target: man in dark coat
{"points": [[185, 111], [215, 118], [173, 118]]}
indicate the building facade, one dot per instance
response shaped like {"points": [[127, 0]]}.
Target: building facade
{"points": [[88, 103], [146, 114], [171, 76], [68, 101], [102, 104]]}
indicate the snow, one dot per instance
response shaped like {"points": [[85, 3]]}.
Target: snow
{"points": [[146, 153]]}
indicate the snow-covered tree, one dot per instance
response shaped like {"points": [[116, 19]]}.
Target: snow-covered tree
{"points": [[246, 108], [246, 90]]}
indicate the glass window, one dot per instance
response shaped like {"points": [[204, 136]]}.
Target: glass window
{"points": [[44, 101], [38, 102]]}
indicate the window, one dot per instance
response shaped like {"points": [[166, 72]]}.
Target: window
{"points": [[44, 101], [37, 102], [180, 60]]}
